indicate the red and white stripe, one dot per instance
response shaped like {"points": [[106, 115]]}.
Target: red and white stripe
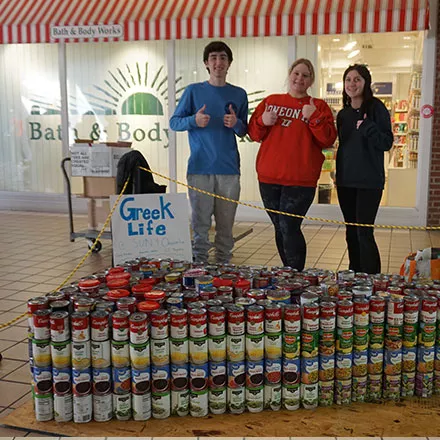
{"points": [[30, 21]]}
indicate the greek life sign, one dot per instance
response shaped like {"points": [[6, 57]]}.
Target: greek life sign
{"points": [[84, 31], [151, 226]]}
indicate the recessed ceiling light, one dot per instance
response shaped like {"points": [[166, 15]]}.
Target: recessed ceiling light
{"points": [[349, 45], [353, 54], [406, 46], [336, 40], [319, 48], [406, 37]]}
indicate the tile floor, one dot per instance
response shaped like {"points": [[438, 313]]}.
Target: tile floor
{"points": [[36, 257]]}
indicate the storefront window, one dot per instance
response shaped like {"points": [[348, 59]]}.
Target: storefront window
{"points": [[395, 61], [118, 92], [30, 152]]}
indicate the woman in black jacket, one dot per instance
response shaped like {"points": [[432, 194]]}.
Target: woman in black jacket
{"points": [[364, 130]]}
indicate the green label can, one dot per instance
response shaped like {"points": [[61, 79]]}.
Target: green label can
{"points": [[344, 340], [377, 335], [236, 398], [326, 392], [290, 396], [359, 389], [217, 400], [255, 399], [291, 345], [180, 403], [272, 397], [361, 338]]}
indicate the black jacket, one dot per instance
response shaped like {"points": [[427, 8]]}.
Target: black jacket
{"points": [[141, 182], [360, 156]]}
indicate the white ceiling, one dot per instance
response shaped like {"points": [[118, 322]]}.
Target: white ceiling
{"points": [[392, 52]]}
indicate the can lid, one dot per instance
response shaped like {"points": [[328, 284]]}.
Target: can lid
{"points": [[148, 306], [154, 295], [116, 269], [141, 288], [117, 283], [118, 293], [118, 276], [89, 283]]}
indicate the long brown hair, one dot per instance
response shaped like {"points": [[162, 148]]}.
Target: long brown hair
{"points": [[307, 63]]}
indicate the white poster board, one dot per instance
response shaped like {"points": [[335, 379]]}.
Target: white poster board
{"points": [[151, 226]]}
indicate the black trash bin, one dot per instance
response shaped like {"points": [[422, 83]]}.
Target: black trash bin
{"points": [[325, 193]]}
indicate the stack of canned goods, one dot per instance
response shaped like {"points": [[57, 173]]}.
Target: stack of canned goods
{"points": [[158, 338]]}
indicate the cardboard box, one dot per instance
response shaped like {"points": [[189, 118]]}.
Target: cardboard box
{"points": [[97, 160], [98, 211], [99, 186]]}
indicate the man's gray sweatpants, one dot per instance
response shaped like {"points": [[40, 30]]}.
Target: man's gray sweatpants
{"points": [[204, 206]]}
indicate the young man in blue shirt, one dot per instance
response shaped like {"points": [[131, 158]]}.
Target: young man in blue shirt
{"points": [[213, 112]]}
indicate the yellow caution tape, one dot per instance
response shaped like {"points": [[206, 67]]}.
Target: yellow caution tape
{"points": [[107, 221], [316, 219]]}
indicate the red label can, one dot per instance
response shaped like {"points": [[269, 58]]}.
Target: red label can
{"points": [[216, 321], [236, 321], [128, 303], [311, 317], [99, 325], [159, 324], [80, 326], [255, 320], [273, 315], [345, 314], [292, 318], [395, 311], [256, 294], [361, 312], [34, 304], [377, 310], [59, 326], [178, 324], [139, 327], [120, 325], [41, 324], [242, 287], [428, 313], [198, 323]]}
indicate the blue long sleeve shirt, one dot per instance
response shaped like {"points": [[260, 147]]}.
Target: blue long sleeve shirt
{"points": [[214, 147]]}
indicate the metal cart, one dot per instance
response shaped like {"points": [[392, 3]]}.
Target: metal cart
{"points": [[91, 234]]}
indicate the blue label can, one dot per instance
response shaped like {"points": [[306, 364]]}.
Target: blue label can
{"points": [[179, 377], [254, 373], [199, 375], [102, 380], [160, 378], [121, 380], [141, 380], [62, 380], [218, 374], [236, 374]]}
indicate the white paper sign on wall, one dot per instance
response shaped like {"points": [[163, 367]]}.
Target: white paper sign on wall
{"points": [[151, 226]]}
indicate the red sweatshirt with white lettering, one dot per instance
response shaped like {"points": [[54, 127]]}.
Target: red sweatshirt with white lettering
{"points": [[290, 152]]}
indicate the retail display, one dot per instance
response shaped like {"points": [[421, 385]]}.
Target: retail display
{"points": [[160, 338]]}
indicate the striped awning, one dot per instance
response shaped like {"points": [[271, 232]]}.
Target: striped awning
{"points": [[34, 21]]}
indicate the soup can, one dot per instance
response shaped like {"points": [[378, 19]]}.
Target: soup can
{"points": [[120, 354], [82, 408], [160, 377], [160, 351], [100, 351], [43, 406], [42, 378], [80, 326], [120, 325], [141, 406], [272, 371], [343, 391], [179, 377], [198, 403], [236, 400], [236, 320], [122, 406], [102, 407], [199, 376], [161, 405], [41, 324], [62, 380], [218, 374], [140, 381], [63, 407], [140, 355], [59, 326], [102, 381], [290, 397], [291, 371], [235, 347], [180, 402], [292, 318], [81, 382], [217, 400], [198, 323], [178, 324], [326, 392], [121, 380], [99, 323], [138, 323], [217, 348], [359, 389]]}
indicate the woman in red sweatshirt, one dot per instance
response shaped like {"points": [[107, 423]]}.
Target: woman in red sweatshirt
{"points": [[293, 128]]}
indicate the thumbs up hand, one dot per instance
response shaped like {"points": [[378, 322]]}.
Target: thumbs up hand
{"points": [[202, 119], [269, 117], [359, 123], [230, 119], [308, 109]]}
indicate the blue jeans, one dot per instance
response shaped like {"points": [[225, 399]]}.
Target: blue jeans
{"points": [[289, 238], [203, 207]]}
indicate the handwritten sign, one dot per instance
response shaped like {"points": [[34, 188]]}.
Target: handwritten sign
{"points": [[151, 226]]}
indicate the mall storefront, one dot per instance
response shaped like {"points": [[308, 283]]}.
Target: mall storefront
{"points": [[113, 71]]}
